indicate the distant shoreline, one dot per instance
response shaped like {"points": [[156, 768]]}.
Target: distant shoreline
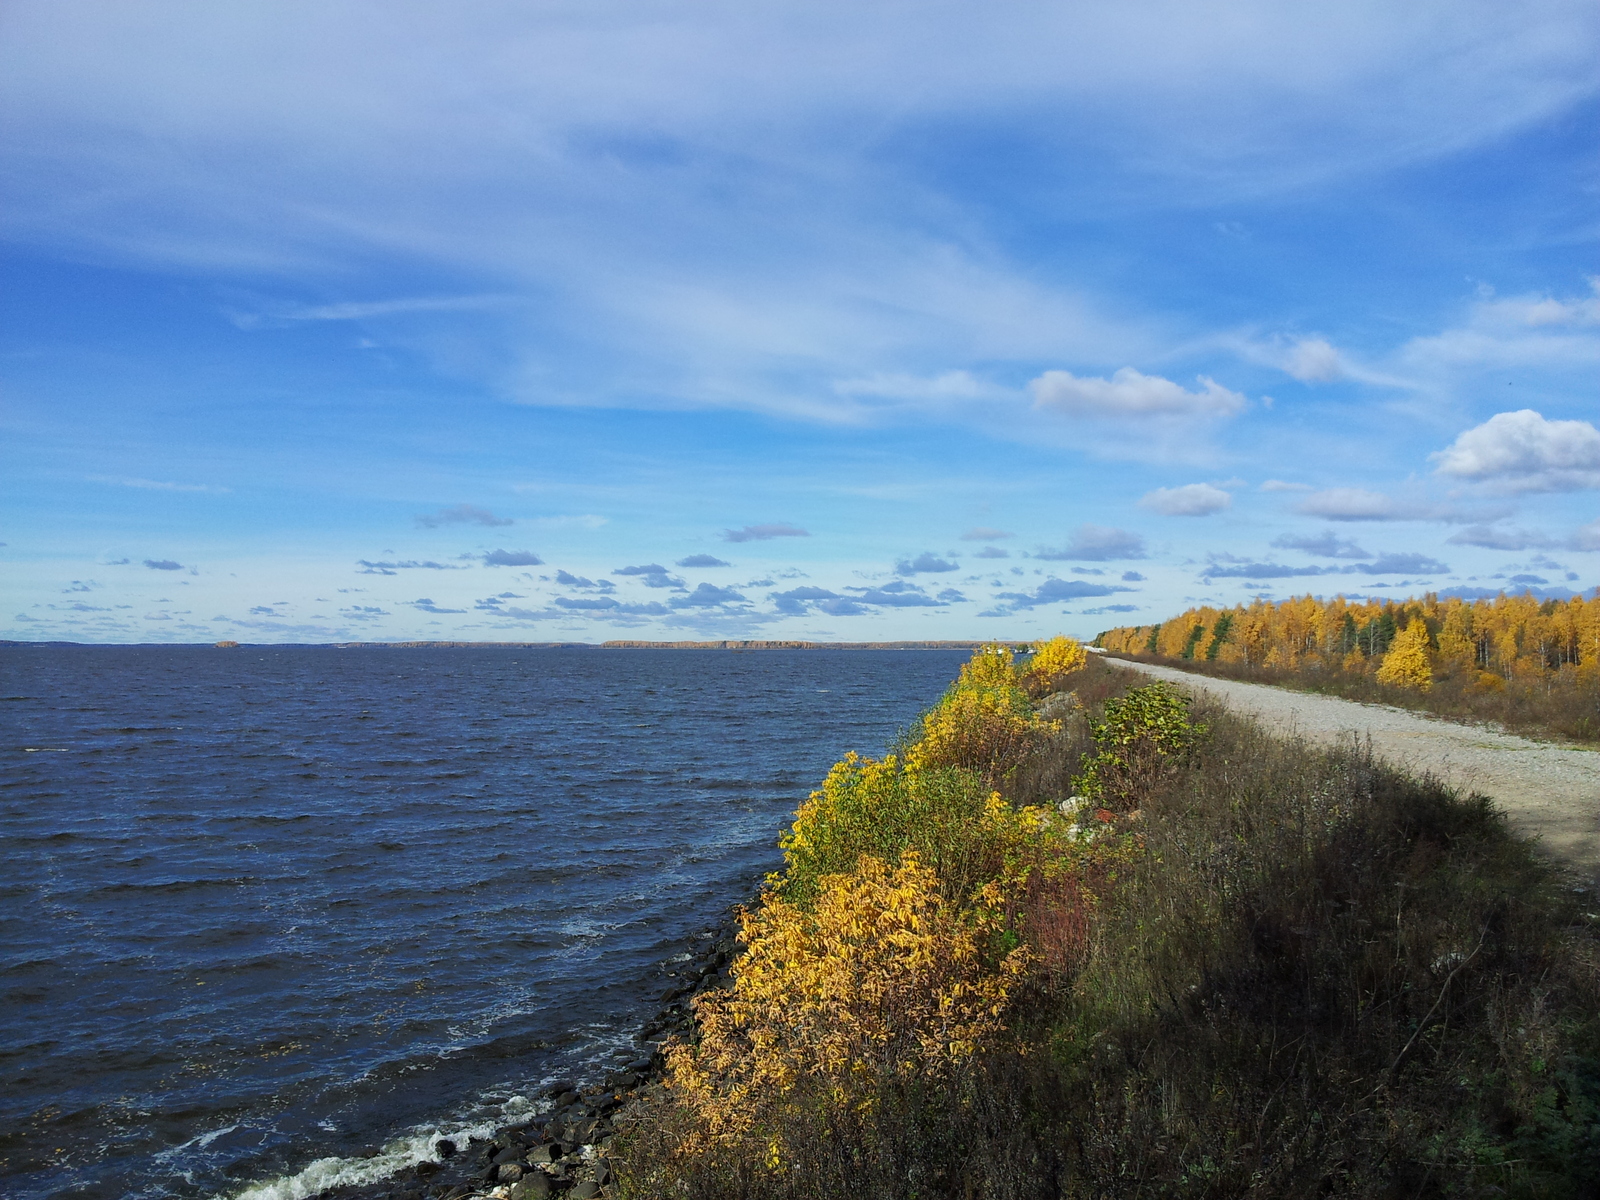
{"points": [[615, 645]]}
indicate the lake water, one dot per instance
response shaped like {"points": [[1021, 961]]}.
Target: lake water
{"points": [[274, 917]]}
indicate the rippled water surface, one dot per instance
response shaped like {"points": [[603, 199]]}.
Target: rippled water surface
{"points": [[264, 907]]}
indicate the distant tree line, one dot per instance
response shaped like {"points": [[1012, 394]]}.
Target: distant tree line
{"points": [[1508, 637]]}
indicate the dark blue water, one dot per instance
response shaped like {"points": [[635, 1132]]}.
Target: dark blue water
{"points": [[272, 918]]}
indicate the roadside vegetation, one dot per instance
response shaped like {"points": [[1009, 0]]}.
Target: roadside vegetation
{"points": [[1530, 666], [1073, 938]]}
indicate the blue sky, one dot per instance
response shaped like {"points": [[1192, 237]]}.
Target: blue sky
{"points": [[546, 322]]}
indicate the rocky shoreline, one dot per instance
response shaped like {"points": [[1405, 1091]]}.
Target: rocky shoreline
{"points": [[565, 1150]]}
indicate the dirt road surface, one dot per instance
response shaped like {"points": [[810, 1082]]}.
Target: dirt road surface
{"points": [[1548, 792]]}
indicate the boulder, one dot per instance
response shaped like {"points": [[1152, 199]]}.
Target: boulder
{"points": [[509, 1172], [533, 1186]]}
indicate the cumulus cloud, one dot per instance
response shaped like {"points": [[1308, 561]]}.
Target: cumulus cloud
{"points": [[799, 600], [512, 558], [707, 596], [1403, 564], [163, 564], [1355, 504], [1523, 452], [652, 575], [461, 514], [898, 594], [925, 563], [1223, 566], [1324, 545], [1190, 500], [410, 564], [611, 606], [761, 533], [1130, 393], [983, 534], [1223, 569], [702, 560], [568, 579], [1132, 577], [1057, 591], [428, 606], [992, 552], [1096, 543], [1491, 538]]}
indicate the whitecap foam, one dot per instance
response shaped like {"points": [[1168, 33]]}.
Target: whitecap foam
{"points": [[195, 1143], [398, 1155]]}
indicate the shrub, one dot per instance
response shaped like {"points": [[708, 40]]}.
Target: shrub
{"points": [[985, 722], [883, 981], [1142, 739], [964, 831], [1052, 662]]}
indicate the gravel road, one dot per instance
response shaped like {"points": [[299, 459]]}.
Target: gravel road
{"points": [[1548, 792]]}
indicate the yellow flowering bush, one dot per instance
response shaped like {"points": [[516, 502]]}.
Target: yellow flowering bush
{"points": [[882, 980], [1051, 663]]}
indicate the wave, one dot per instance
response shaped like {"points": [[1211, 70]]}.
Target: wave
{"points": [[419, 1145]]}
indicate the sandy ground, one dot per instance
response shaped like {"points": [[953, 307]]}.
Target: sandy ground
{"points": [[1551, 793]]}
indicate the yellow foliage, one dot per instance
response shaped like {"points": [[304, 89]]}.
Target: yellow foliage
{"points": [[985, 731], [1516, 637], [984, 723], [1051, 663], [1407, 664], [1455, 636], [967, 833], [882, 980]]}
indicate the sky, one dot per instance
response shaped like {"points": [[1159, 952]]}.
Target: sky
{"points": [[490, 321]]}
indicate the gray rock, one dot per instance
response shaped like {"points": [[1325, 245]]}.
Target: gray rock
{"points": [[509, 1172], [586, 1190], [547, 1153], [534, 1186]]}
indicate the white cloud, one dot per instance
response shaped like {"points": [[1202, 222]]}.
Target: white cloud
{"points": [[1356, 504], [1191, 500], [1281, 485], [1130, 393], [1523, 452], [1313, 360], [1529, 332], [1587, 537], [1359, 504]]}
